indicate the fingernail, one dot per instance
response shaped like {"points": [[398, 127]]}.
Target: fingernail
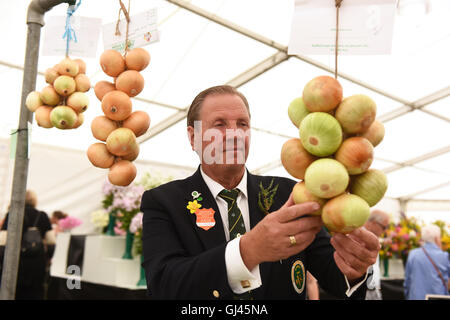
{"points": [[315, 206]]}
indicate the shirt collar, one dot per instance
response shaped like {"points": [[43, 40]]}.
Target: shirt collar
{"points": [[216, 187], [430, 245]]}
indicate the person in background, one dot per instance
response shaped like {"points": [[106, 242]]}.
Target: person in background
{"points": [[427, 268], [377, 223], [56, 216], [32, 270]]}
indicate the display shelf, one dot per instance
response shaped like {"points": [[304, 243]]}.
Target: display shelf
{"points": [[102, 261]]}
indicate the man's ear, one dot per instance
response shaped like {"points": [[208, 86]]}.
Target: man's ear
{"points": [[190, 132]]}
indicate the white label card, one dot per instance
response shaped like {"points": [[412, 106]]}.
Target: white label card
{"points": [[87, 31], [142, 31], [365, 27]]}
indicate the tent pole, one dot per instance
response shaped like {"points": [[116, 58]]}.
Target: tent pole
{"points": [[35, 21]]}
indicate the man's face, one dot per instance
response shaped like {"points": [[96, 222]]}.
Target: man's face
{"points": [[378, 228], [223, 132]]}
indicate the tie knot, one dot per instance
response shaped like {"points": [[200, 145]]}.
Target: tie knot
{"points": [[229, 195]]}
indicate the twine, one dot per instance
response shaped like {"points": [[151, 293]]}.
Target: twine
{"points": [[338, 5], [69, 32], [126, 12]]}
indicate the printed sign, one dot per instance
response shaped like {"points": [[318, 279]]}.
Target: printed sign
{"points": [[87, 31], [365, 27], [142, 30]]}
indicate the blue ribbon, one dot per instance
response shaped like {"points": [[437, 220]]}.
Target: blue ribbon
{"points": [[70, 33]]}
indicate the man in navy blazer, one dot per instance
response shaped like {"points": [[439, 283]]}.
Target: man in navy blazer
{"points": [[191, 246]]}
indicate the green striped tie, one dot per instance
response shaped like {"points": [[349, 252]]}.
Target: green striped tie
{"points": [[236, 225]]}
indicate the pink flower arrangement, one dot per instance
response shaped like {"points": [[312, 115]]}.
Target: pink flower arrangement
{"points": [[136, 222], [118, 229], [69, 223]]}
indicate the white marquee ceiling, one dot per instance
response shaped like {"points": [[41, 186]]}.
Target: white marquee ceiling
{"points": [[411, 86]]}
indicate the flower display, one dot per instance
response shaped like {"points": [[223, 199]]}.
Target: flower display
{"points": [[445, 235], [121, 207], [122, 203], [136, 222], [100, 218], [400, 238], [136, 229], [69, 223]]}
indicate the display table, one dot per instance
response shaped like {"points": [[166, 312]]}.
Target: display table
{"points": [[96, 262]]}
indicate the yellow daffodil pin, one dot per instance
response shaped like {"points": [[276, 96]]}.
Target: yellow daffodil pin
{"points": [[193, 206]]}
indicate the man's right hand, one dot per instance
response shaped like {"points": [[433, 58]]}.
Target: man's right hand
{"points": [[270, 239]]}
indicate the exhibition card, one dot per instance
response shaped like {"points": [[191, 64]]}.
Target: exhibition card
{"points": [[86, 32], [142, 30], [365, 27]]}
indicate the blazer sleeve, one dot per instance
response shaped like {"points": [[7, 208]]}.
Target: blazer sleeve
{"points": [[172, 270]]}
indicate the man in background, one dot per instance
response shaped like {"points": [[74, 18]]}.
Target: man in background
{"points": [[427, 268]]}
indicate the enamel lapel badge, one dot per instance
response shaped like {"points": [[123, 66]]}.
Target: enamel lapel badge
{"points": [[204, 217]]}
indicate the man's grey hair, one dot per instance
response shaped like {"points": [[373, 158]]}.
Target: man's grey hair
{"points": [[430, 233], [379, 216]]}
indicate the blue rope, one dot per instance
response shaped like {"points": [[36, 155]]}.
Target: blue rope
{"points": [[70, 33]]}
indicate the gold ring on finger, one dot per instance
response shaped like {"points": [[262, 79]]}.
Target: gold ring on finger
{"points": [[293, 241]]}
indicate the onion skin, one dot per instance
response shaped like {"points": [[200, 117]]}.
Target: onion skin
{"points": [[326, 178], [116, 105], [301, 195], [121, 142], [297, 111], [345, 213], [356, 113], [99, 156], [321, 134], [112, 62], [356, 154], [295, 159], [122, 173], [375, 133], [371, 186], [102, 126], [137, 59], [138, 122], [103, 87], [322, 94]]}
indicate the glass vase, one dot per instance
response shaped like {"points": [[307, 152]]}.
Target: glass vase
{"points": [[386, 268], [142, 280], [111, 224], [129, 238]]}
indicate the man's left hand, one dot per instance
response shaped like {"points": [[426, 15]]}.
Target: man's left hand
{"points": [[355, 252]]}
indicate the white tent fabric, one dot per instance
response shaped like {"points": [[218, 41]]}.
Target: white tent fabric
{"points": [[65, 180], [248, 49]]}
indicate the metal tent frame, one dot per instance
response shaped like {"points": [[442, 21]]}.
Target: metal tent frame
{"points": [[282, 56]]}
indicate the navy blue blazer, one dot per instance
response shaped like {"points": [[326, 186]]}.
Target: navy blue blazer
{"points": [[184, 261]]}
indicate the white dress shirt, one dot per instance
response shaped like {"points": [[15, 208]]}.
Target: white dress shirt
{"points": [[240, 278], [236, 269]]}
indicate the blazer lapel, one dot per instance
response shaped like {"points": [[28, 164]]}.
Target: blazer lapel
{"points": [[214, 236]]}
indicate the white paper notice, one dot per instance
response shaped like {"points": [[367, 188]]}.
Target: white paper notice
{"points": [[87, 31], [365, 27], [142, 31]]}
